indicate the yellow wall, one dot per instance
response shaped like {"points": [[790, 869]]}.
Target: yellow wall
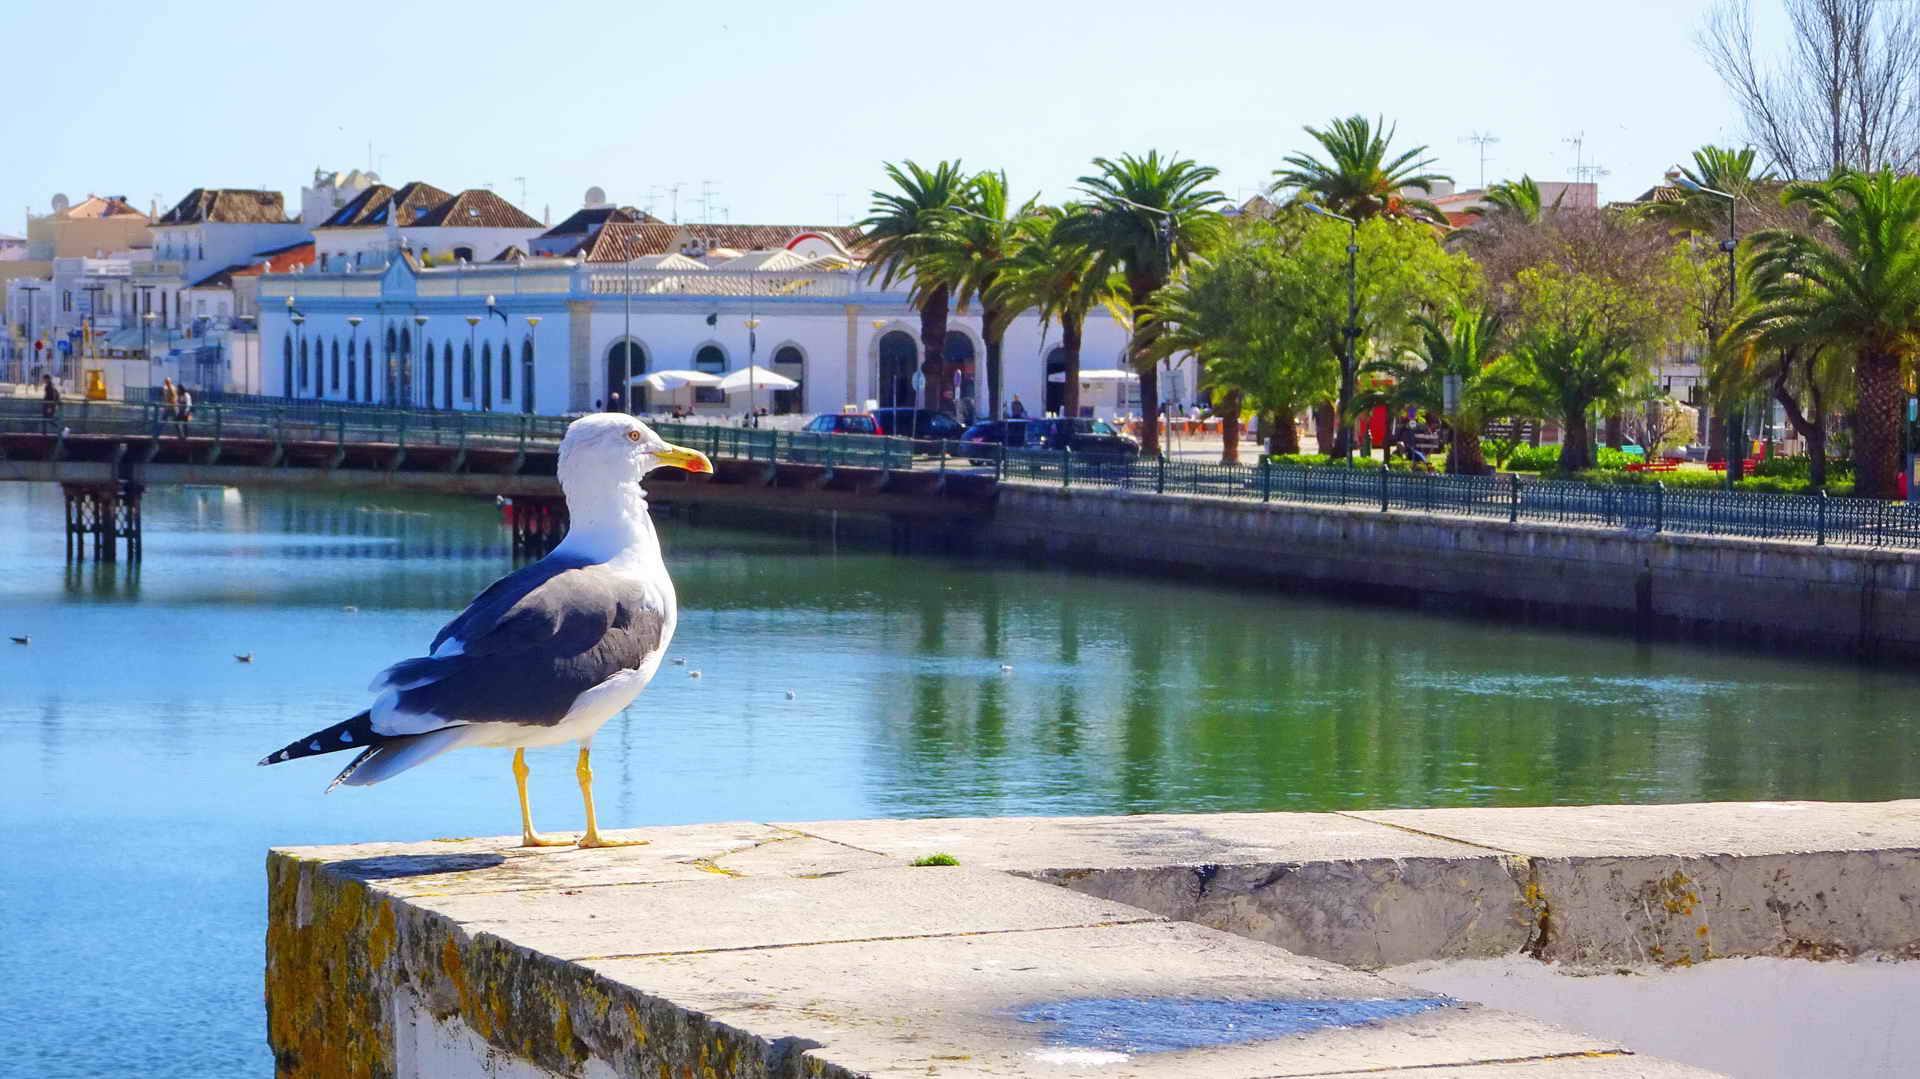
{"points": [[60, 237]]}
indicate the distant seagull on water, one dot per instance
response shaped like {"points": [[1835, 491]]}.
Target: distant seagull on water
{"points": [[23, 640], [546, 654]]}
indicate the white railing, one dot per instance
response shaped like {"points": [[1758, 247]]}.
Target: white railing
{"points": [[772, 284]]}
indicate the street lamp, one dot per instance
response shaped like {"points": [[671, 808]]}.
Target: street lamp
{"points": [[466, 362], [1736, 418], [1343, 435], [879, 327], [419, 365], [32, 353], [527, 375], [753, 339], [300, 343], [1165, 232], [146, 346], [353, 348]]}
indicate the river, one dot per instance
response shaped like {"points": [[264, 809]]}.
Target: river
{"points": [[136, 824]]}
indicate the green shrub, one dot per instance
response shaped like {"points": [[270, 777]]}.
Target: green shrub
{"points": [[936, 859], [1534, 459]]}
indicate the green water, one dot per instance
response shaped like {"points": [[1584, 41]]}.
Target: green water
{"points": [[131, 886]]}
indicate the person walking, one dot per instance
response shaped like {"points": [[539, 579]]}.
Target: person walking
{"points": [[185, 412], [169, 397], [49, 398], [1018, 409]]}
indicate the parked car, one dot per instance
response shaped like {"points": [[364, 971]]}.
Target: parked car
{"points": [[1098, 440], [845, 423], [920, 423]]}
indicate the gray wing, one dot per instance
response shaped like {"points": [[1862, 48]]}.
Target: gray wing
{"points": [[527, 648]]}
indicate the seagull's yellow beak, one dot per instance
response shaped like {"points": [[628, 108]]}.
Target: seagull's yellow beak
{"points": [[681, 457]]}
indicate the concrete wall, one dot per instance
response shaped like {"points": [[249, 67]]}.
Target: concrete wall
{"points": [[1829, 599]]}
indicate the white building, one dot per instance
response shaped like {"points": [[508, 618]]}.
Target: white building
{"points": [[330, 192], [474, 226], [556, 335]]}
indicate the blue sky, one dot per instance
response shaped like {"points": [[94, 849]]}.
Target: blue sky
{"points": [[780, 106]]}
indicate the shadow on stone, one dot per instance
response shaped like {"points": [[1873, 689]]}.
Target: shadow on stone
{"points": [[396, 866]]}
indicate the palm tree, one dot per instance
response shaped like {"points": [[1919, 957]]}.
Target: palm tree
{"points": [[1518, 200], [1564, 370], [1715, 168], [1358, 178], [1144, 218], [1463, 348], [977, 237], [904, 234], [1852, 283], [1056, 278]]}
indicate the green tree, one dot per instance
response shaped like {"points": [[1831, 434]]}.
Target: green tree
{"points": [[977, 237], [1850, 282], [1057, 278], [1145, 218], [907, 242], [1358, 178], [1519, 200], [1463, 347]]}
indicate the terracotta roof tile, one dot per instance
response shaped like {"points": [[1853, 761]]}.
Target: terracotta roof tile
{"points": [[110, 206], [475, 207], [369, 208], [620, 241], [220, 205], [583, 221], [763, 237]]}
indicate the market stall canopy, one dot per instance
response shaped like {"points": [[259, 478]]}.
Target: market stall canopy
{"points": [[1098, 374], [756, 378], [670, 380]]}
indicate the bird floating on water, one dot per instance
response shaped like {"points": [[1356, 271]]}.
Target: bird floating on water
{"points": [[243, 657], [679, 661], [789, 694], [351, 609], [693, 674], [1006, 668], [546, 654], [23, 640]]}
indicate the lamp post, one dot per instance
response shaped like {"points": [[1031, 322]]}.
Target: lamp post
{"points": [[32, 353], [626, 337], [879, 327], [527, 375], [1736, 416], [93, 322], [146, 346], [1165, 232], [419, 363], [466, 362], [294, 316], [1343, 435], [753, 338], [353, 347]]}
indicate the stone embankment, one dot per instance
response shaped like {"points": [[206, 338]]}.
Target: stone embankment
{"points": [[1231, 945]]}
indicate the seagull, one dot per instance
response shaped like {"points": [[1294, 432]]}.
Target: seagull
{"points": [[546, 654], [243, 657], [23, 640]]}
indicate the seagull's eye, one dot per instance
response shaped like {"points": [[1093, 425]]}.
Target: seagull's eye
{"points": [[633, 436]]}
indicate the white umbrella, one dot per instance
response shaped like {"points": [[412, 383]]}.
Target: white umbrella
{"points": [[667, 381], [756, 378], [1098, 374]]}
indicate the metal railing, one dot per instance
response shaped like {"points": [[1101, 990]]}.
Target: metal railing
{"points": [[1649, 508]]}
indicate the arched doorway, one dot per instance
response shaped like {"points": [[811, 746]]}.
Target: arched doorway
{"points": [[711, 359], [1056, 392], [788, 360], [446, 372], [624, 353], [466, 372], [506, 373], [404, 397], [899, 357], [526, 375], [305, 377], [336, 372], [353, 381], [366, 367], [426, 374], [286, 365], [486, 376], [959, 356]]}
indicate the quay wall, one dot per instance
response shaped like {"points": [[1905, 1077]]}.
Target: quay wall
{"points": [[1835, 600]]}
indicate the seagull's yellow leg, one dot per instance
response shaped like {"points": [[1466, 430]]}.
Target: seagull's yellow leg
{"points": [[529, 837], [593, 838]]}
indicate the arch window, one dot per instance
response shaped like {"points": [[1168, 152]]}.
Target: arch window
{"points": [[526, 375], [1056, 392], [466, 371], [713, 360], [426, 374], [303, 364], [353, 383], [788, 360], [404, 395], [446, 381], [366, 367], [899, 356], [286, 365], [506, 372], [486, 375], [632, 397], [335, 383], [464, 254]]}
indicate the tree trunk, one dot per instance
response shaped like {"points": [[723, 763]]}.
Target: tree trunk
{"points": [[1576, 441], [1324, 424], [1716, 430], [1876, 435], [996, 335], [1467, 458], [1282, 435], [1616, 431], [1812, 428], [1229, 412], [1149, 372], [933, 348], [1070, 345]]}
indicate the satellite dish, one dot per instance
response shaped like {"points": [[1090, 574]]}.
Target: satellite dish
{"points": [[596, 196], [60, 204]]}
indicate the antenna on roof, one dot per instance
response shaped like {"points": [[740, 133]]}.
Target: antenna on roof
{"points": [[836, 197], [674, 189], [522, 181], [706, 200], [1578, 140], [1482, 139]]}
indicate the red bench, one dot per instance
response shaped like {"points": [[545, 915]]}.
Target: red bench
{"points": [[1653, 466], [1720, 464]]}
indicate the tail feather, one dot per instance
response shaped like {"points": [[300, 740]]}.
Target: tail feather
{"points": [[396, 755], [355, 733]]}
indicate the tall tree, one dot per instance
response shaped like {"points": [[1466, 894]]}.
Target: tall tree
{"points": [[1850, 282], [1463, 346], [979, 234], [904, 229], [1057, 278], [1519, 200], [1360, 176], [1845, 94], [1145, 217]]}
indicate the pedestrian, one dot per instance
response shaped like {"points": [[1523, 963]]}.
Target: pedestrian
{"points": [[49, 397], [186, 409], [169, 396], [1018, 409]]}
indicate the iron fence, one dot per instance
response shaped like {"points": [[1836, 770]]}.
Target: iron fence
{"points": [[1654, 507]]}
